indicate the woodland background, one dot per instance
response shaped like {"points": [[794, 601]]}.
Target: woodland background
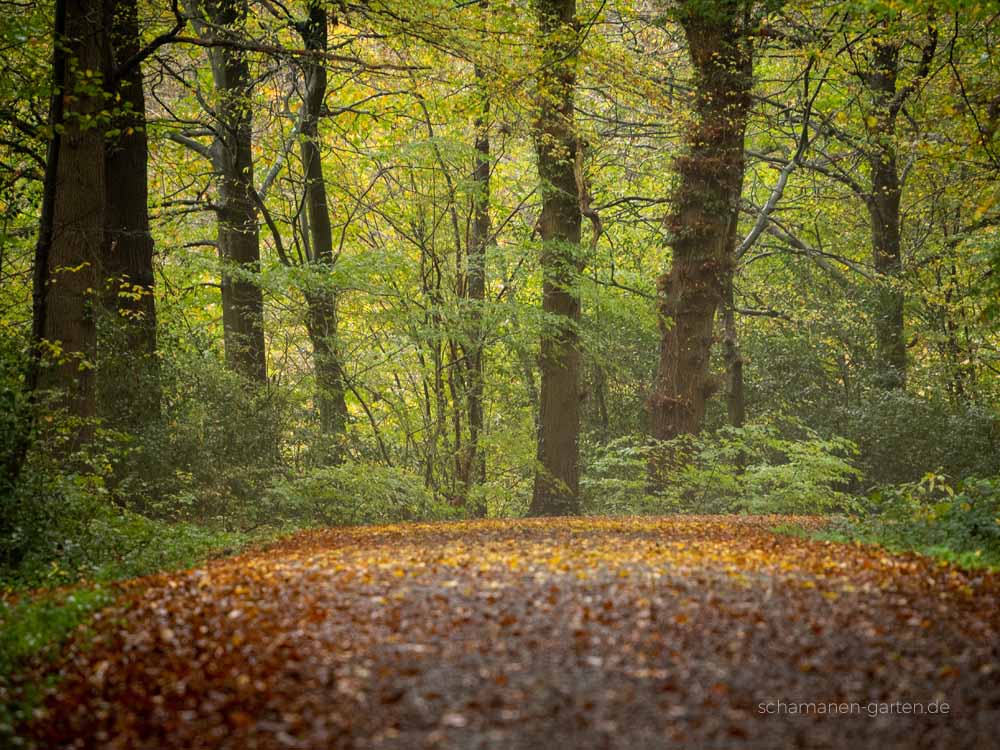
{"points": [[269, 264]]}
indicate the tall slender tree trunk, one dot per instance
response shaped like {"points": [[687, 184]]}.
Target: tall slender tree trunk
{"points": [[480, 238], [77, 229], [701, 221], [736, 409], [883, 210], [232, 157], [14, 461], [128, 381], [888, 98], [322, 304], [557, 478]]}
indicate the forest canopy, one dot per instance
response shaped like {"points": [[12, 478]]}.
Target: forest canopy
{"points": [[272, 262]]}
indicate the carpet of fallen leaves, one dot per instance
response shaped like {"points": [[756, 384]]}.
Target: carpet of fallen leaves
{"points": [[583, 633]]}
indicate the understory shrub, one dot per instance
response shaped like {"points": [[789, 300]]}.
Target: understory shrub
{"points": [[752, 469], [352, 493], [902, 436], [216, 448], [65, 527], [954, 520]]}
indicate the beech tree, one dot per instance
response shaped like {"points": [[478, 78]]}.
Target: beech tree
{"points": [[129, 383], [557, 478], [888, 63], [480, 239], [878, 68], [704, 212], [71, 235], [218, 24], [322, 302]]}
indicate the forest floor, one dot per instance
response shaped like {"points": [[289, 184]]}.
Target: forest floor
{"points": [[586, 633]]}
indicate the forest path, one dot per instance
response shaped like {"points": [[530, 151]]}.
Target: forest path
{"points": [[571, 634]]}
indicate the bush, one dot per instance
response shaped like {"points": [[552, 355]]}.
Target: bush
{"points": [[784, 475], [901, 436], [352, 493], [214, 451], [957, 521], [752, 469], [615, 480], [13, 397], [65, 527]]}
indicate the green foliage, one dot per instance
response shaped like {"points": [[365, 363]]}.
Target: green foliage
{"points": [[785, 475], [66, 527], [14, 409], [957, 521], [353, 494], [901, 436], [753, 469], [216, 448], [30, 629], [615, 479]]}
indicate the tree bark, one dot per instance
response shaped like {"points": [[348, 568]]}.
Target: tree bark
{"points": [[883, 202], [701, 222], [557, 478], [481, 236], [322, 303], [14, 461], [128, 380], [75, 243], [883, 210], [239, 237]]}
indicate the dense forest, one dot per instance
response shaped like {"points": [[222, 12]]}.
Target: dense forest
{"points": [[318, 262], [275, 264]]}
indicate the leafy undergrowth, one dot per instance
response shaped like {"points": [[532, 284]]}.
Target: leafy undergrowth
{"points": [[899, 541], [121, 544], [583, 633], [36, 618], [31, 629]]}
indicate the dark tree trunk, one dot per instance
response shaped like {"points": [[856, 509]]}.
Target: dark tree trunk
{"points": [[129, 374], [883, 209], [322, 322], [77, 230], [475, 273], [881, 80], [239, 238], [322, 329], [701, 221], [14, 461], [557, 479]]}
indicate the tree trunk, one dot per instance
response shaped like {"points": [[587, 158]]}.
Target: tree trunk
{"points": [[557, 478], [701, 221], [78, 199], [129, 374], [883, 209], [735, 392], [475, 272], [14, 461], [322, 322], [239, 239]]}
